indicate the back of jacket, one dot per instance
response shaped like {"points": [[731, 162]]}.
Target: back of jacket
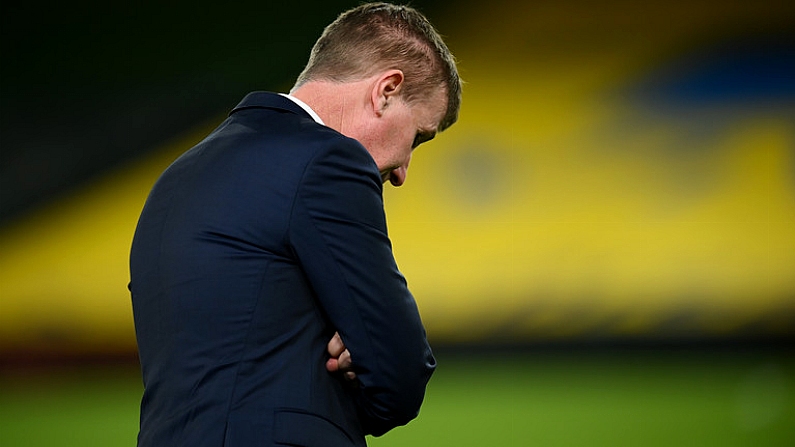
{"points": [[253, 248]]}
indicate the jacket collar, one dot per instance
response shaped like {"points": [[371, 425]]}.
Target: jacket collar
{"points": [[267, 100]]}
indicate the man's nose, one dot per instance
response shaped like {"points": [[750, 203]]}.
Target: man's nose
{"points": [[398, 176]]}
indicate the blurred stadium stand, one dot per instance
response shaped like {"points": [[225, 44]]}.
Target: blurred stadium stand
{"points": [[621, 173]]}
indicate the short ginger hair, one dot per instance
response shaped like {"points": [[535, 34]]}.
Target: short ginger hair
{"points": [[380, 36]]}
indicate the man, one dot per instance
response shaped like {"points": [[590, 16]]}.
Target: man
{"points": [[268, 306]]}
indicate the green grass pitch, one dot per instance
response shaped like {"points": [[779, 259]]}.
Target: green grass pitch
{"points": [[636, 398]]}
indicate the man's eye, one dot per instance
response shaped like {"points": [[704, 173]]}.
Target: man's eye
{"points": [[422, 137]]}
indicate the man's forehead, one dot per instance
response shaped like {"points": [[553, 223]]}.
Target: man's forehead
{"points": [[433, 110]]}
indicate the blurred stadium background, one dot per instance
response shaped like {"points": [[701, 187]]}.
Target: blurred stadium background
{"points": [[603, 249]]}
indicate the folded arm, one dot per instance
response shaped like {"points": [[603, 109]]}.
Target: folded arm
{"points": [[339, 236]]}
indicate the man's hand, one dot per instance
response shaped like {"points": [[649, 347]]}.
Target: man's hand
{"points": [[340, 358]]}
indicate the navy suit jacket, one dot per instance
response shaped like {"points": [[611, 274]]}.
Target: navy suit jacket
{"points": [[252, 249]]}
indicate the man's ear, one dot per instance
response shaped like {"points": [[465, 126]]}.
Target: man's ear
{"points": [[386, 89]]}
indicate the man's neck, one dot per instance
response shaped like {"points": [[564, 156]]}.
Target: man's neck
{"points": [[337, 103], [306, 108]]}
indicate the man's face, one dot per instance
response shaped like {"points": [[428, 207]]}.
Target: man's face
{"points": [[402, 128]]}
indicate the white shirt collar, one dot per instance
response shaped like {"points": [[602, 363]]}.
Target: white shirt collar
{"points": [[306, 108]]}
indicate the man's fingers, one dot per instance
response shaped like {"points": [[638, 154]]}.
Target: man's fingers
{"points": [[340, 357], [335, 346], [344, 360]]}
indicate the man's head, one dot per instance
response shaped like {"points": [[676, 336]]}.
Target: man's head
{"points": [[393, 55]]}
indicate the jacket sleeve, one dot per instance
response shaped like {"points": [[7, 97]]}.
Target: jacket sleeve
{"points": [[338, 232]]}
